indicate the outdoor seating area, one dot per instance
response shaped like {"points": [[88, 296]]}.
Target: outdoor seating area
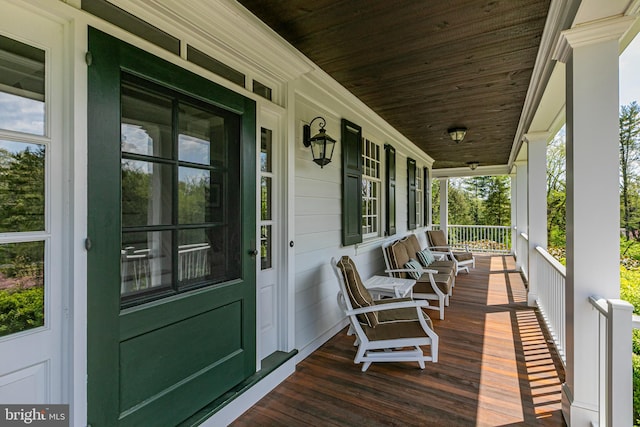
{"points": [[496, 367]]}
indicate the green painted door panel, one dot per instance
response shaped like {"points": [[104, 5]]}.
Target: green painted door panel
{"points": [[157, 361]]}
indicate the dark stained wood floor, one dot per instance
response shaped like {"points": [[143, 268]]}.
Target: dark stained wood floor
{"points": [[496, 368]]}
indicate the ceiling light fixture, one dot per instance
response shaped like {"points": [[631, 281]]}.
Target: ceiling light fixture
{"points": [[457, 134], [473, 165]]}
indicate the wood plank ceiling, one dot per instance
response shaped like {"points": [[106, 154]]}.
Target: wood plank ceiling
{"points": [[425, 66]]}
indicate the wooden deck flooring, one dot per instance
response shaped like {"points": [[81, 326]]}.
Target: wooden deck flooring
{"points": [[496, 368]]}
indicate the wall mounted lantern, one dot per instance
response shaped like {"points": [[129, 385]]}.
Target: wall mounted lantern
{"points": [[457, 134], [472, 165], [322, 145]]}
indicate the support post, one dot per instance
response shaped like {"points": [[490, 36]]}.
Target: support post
{"points": [[590, 52], [444, 205], [536, 206], [514, 221], [522, 220]]}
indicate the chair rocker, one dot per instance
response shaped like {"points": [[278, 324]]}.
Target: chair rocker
{"points": [[389, 330]]}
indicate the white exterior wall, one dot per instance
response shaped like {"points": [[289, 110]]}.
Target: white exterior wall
{"points": [[318, 208]]}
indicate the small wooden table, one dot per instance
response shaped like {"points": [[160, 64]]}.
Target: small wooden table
{"points": [[390, 286]]}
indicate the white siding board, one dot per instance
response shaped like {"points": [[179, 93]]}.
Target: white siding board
{"points": [[318, 223], [315, 206], [317, 188]]}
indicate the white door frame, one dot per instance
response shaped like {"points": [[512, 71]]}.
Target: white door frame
{"points": [[271, 116]]}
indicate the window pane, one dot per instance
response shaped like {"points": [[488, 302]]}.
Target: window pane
{"points": [[21, 186], [265, 150], [202, 137], [146, 193], [216, 245], [199, 193], [21, 286], [265, 195], [145, 263], [145, 123], [265, 247], [21, 87]]}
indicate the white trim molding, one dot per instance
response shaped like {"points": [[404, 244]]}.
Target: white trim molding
{"points": [[592, 32]]}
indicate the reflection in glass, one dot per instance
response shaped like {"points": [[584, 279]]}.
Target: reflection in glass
{"points": [[210, 254], [265, 196], [199, 196], [146, 193], [265, 247], [21, 87], [21, 286], [21, 186], [145, 262], [265, 150], [201, 137], [146, 123]]}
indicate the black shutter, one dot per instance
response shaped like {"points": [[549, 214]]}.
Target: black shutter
{"points": [[426, 192], [390, 154], [411, 194], [351, 183]]}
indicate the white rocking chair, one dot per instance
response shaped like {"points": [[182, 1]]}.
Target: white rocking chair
{"points": [[390, 330]]}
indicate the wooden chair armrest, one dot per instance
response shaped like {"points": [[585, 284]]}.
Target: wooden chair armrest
{"points": [[388, 306], [412, 270]]}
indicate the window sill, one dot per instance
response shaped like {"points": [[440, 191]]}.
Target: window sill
{"points": [[369, 245]]}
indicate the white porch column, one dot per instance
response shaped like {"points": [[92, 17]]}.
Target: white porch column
{"points": [[536, 206], [444, 205], [591, 54], [514, 211], [522, 221]]}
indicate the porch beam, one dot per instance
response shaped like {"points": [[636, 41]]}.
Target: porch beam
{"points": [[536, 206], [593, 218]]}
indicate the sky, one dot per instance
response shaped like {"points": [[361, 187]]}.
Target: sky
{"points": [[630, 73]]}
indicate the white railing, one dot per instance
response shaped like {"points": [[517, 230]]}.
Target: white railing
{"points": [[193, 261], [479, 238], [522, 253], [551, 298], [136, 265], [614, 361]]}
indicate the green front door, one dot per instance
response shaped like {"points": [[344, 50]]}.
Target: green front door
{"points": [[171, 238]]}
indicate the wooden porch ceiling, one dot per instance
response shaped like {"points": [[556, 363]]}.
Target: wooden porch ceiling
{"points": [[425, 66], [496, 368]]}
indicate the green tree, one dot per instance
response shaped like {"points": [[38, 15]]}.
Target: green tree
{"points": [[629, 155], [460, 206], [556, 191], [497, 204]]}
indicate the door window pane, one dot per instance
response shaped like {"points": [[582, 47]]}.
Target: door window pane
{"points": [[146, 260], [202, 137], [146, 123], [21, 286], [265, 247], [199, 196], [265, 150], [215, 245], [21, 87], [265, 196], [21, 186], [146, 193], [181, 219]]}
